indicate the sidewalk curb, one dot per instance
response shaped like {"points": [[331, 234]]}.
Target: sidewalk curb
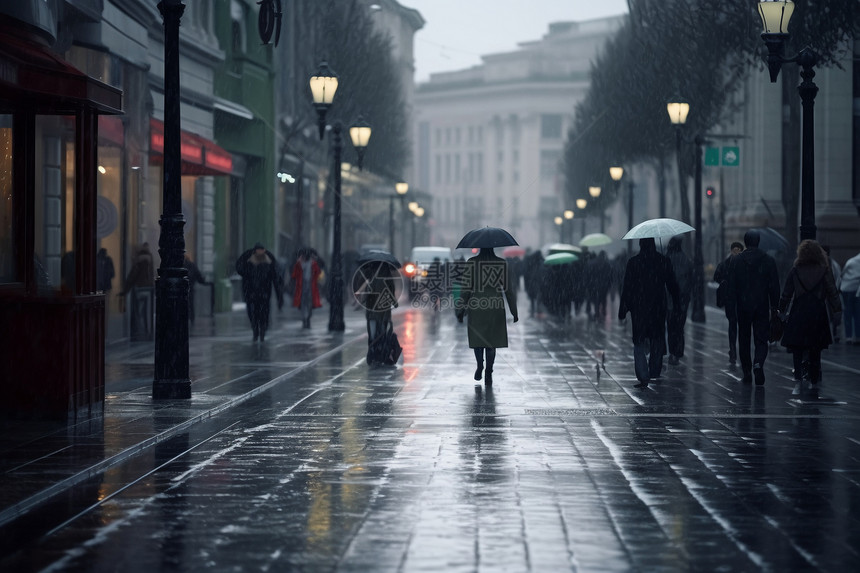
{"points": [[18, 509]]}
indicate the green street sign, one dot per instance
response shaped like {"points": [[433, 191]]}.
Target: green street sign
{"points": [[712, 156], [731, 156]]}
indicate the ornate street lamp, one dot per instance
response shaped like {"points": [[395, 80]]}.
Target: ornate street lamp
{"points": [[775, 15], [581, 203], [594, 191], [171, 378], [323, 87], [401, 187], [359, 133], [616, 173], [568, 216], [560, 222]]}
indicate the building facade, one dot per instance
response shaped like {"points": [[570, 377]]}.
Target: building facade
{"points": [[489, 140]]}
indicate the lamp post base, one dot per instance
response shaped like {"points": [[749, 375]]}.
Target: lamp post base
{"points": [[171, 389]]}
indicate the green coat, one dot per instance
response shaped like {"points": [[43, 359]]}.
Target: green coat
{"points": [[484, 286]]}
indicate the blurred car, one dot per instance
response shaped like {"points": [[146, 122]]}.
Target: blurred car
{"points": [[417, 270]]}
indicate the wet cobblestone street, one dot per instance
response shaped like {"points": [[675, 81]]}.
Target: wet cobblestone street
{"points": [[297, 456]]}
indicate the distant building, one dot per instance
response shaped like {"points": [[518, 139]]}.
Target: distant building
{"points": [[489, 139]]}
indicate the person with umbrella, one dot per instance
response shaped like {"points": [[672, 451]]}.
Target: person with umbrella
{"points": [[258, 269], [646, 279], [374, 284], [484, 287]]}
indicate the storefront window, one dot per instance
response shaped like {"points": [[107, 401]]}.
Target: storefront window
{"points": [[8, 272], [55, 202]]}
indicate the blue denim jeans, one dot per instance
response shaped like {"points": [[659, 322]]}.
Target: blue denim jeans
{"points": [[851, 314], [651, 366]]}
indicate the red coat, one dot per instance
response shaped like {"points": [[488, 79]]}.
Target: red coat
{"points": [[315, 289]]}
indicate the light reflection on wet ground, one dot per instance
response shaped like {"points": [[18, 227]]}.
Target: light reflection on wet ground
{"points": [[563, 465]]}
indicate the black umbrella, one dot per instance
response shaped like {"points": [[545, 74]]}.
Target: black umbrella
{"points": [[486, 238], [378, 256], [771, 240]]}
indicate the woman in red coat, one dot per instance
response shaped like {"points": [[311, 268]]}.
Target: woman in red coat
{"points": [[305, 275]]}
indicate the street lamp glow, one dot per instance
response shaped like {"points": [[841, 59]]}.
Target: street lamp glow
{"points": [[323, 87], [616, 173], [413, 205], [678, 110], [775, 15], [568, 214], [359, 133], [594, 191], [581, 203], [419, 212], [401, 187], [559, 220]]}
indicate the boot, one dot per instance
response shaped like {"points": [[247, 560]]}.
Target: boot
{"points": [[479, 357], [488, 375]]}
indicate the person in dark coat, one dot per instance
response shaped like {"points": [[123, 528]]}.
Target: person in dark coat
{"points": [[598, 280], [259, 271], [305, 275], [532, 277], [482, 299], [375, 290], [754, 296], [721, 277], [104, 271], [676, 317], [809, 289], [646, 279]]}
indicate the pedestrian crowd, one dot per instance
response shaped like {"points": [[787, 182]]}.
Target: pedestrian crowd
{"points": [[806, 312]]}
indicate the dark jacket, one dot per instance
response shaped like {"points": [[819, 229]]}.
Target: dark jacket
{"points": [[683, 269], [646, 279], [753, 282], [807, 289], [482, 299], [259, 277]]}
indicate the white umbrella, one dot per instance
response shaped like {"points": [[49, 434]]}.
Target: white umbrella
{"points": [[595, 240], [658, 228]]}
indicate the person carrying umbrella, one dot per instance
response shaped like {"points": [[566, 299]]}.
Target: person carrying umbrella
{"points": [[646, 279], [258, 269], [484, 287]]}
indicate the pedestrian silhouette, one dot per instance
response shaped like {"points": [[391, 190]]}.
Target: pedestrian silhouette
{"points": [[809, 289], [676, 316], [850, 287], [374, 285], [721, 277], [647, 277], [483, 291], [258, 269], [104, 271], [532, 277], [306, 276], [139, 285], [754, 295]]}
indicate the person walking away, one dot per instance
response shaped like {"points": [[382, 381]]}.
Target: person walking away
{"points": [[482, 299], [721, 277], [139, 283], [836, 269], [259, 272], [850, 287], [532, 277], [306, 275], [599, 281], [378, 297], [647, 277], [754, 296], [194, 277], [104, 271], [676, 316], [808, 292]]}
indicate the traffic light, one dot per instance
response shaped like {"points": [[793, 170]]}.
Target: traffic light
{"points": [[710, 192]]}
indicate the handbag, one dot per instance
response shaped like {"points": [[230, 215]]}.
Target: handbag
{"points": [[777, 327]]}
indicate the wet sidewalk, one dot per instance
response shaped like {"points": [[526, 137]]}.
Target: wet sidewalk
{"points": [[297, 456]]}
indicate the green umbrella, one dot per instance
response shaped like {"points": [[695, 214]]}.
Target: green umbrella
{"points": [[595, 240], [560, 259]]}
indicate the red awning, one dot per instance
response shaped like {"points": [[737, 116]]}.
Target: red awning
{"points": [[31, 73], [200, 156]]}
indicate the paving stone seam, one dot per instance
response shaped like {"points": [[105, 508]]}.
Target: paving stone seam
{"points": [[20, 508]]}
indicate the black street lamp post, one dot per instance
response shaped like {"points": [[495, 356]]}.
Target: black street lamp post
{"points": [[698, 294], [775, 15], [401, 187], [616, 173], [323, 88], [171, 378]]}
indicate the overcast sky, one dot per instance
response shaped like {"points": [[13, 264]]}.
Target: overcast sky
{"points": [[457, 33]]}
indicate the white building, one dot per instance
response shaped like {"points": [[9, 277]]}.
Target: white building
{"points": [[489, 139]]}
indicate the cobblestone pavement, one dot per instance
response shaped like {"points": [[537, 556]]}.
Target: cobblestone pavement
{"points": [[297, 456]]}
